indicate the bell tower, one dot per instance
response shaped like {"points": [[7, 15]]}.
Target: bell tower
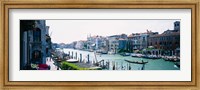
{"points": [[177, 25]]}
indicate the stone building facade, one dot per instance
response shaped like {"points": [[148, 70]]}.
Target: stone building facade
{"points": [[35, 43], [167, 43]]}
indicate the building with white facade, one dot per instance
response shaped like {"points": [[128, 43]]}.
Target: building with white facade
{"points": [[80, 45], [113, 43]]}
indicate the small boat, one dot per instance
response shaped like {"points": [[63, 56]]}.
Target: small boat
{"points": [[90, 50], [171, 59], [137, 55], [72, 61], [125, 54], [134, 55], [104, 52], [111, 53], [98, 53], [95, 68], [136, 62], [151, 57]]}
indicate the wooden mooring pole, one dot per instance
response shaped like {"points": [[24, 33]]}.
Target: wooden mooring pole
{"points": [[88, 57], [76, 55], [80, 57]]}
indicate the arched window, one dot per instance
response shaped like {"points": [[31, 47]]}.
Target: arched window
{"points": [[36, 56]]}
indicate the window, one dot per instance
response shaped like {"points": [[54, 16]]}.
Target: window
{"points": [[36, 55], [37, 35], [143, 39]]}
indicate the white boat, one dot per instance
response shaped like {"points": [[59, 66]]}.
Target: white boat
{"points": [[151, 57], [125, 54], [137, 55], [72, 60], [111, 53], [95, 68]]}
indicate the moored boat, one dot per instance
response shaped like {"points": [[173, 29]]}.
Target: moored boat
{"points": [[171, 58], [151, 57], [137, 55], [125, 54], [111, 53], [72, 60]]}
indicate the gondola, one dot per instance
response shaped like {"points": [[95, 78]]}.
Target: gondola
{"points": [[136, 62]]}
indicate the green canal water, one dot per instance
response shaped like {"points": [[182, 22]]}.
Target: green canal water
{"points": [[121, 64]]}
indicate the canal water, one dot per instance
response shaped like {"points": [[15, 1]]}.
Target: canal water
{"points": [[121, 64]]}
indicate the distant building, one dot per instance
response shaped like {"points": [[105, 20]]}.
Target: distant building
{"points": [[130, 43], [104, 46], [80, 45], [122, 43], [91, 43], [96, 43], [167, 43], [139, 41], [114, 42], [61, 45]]}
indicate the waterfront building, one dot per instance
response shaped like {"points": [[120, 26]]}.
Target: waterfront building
{"points": [[91, 41], [144, 40], [97, 43], [117, 42], [122, 43], [167, 43], [130, 43], [136, 41], [34, 41], [81, 45], [104, 46], [113, 43], [139, 41]]}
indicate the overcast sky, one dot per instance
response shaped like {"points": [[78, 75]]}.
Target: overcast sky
{"points": [[67, 31]]}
